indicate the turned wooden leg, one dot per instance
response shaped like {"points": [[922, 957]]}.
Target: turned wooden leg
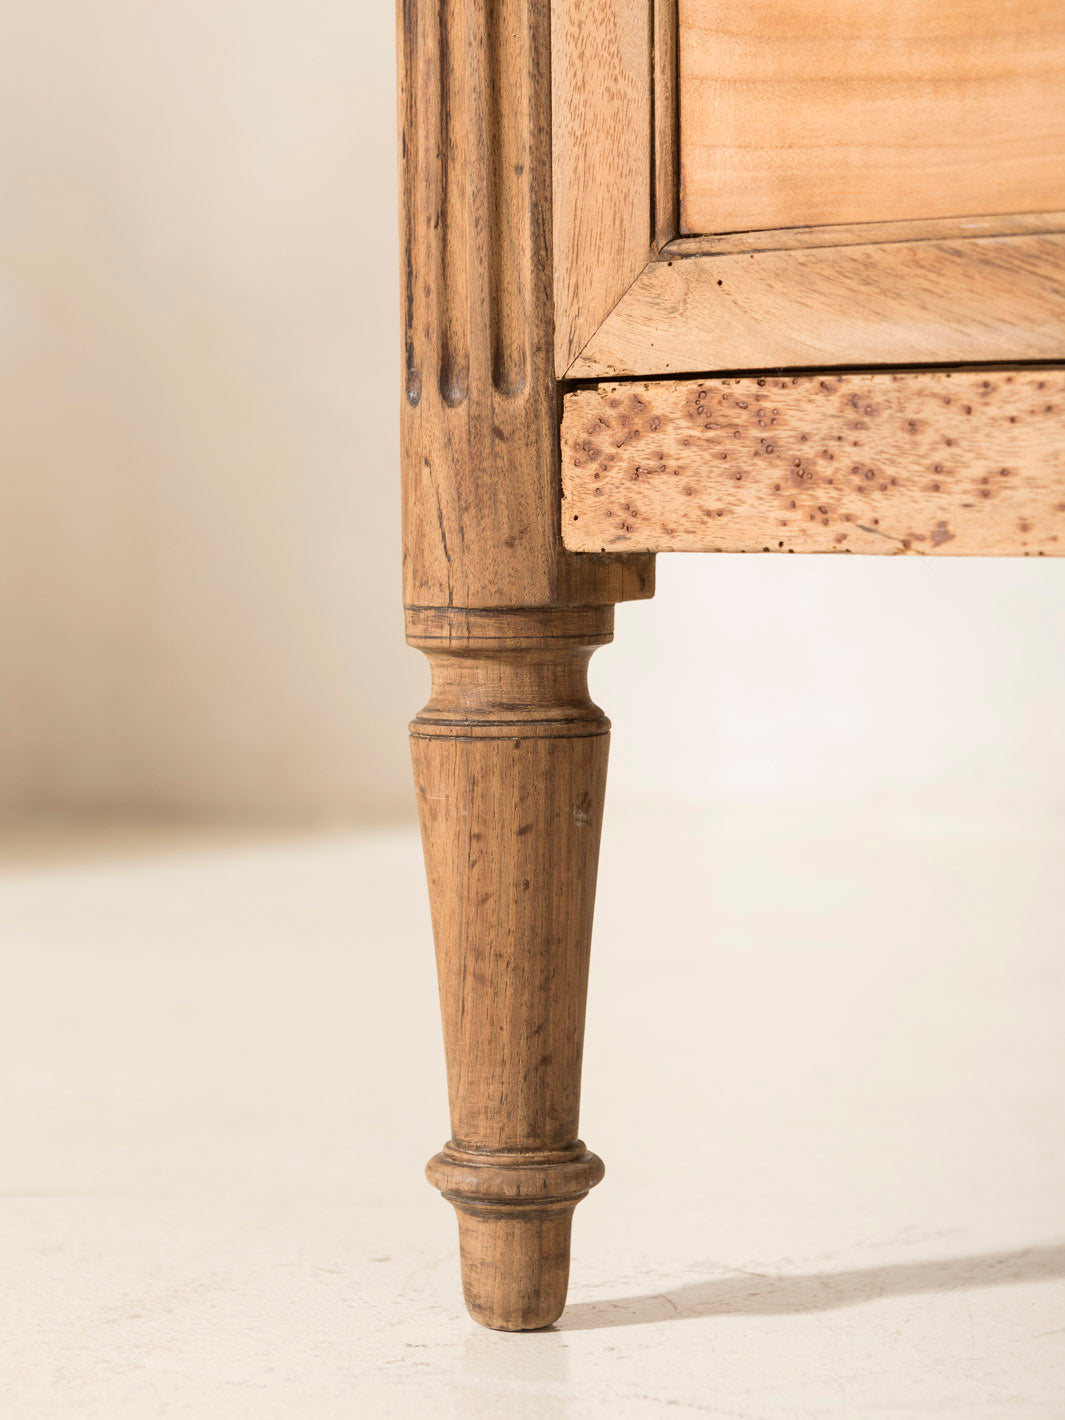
{"points": [[510, 768]]}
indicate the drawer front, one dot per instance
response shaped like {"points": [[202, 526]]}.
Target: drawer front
{"points": [[795, 113], [942, 462]]}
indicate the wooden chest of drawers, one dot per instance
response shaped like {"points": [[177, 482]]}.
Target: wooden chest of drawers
{"points": [[706, 275]]}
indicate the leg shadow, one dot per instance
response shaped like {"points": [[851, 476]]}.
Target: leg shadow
{"points": [[770, 1294]]}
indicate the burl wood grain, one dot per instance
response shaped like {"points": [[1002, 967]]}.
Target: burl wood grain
{"points": [[510, 760], [795, 113], [934, 462]]}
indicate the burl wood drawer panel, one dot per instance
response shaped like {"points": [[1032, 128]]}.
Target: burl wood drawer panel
{"points": [[935, 461], [794, 113]]}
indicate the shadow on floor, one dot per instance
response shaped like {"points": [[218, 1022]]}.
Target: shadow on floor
{"points": [[769, 1294]]}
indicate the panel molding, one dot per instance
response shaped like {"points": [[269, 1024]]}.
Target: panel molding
{"points": [[999, 298], [666, 117], [942, 229], [602, 160]]}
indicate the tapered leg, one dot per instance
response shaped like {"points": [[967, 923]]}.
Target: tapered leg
{"points": [[510, 768]]}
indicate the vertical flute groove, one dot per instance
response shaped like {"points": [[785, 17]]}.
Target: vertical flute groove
{"points": [[453, 288], [410, 157]]}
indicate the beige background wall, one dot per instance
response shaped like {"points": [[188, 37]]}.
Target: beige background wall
{"points": [[199, 500], [199, 497]]}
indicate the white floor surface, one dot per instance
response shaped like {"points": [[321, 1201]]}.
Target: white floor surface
{"points": [[825, 1066]]}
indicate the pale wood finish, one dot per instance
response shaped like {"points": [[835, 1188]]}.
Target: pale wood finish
{"points": [[510, 768], [795, 113], [479, 416], [601, 119], [941, 229], [940, 462], [895, 302]]}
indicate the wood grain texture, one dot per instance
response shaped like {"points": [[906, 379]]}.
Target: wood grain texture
{"points": [[510, 768], [479, 426], [601, 124], [940, 229], [899, 302], [868, 110], [509, 755], [666, 123], [936, 462]]}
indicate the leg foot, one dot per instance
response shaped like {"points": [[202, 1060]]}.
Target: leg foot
{"points": [[515, 1214]]}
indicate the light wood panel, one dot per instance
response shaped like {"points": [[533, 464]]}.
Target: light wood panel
{"points": [[891, 303], [601, 159], [795, 113], [942, 462]]}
